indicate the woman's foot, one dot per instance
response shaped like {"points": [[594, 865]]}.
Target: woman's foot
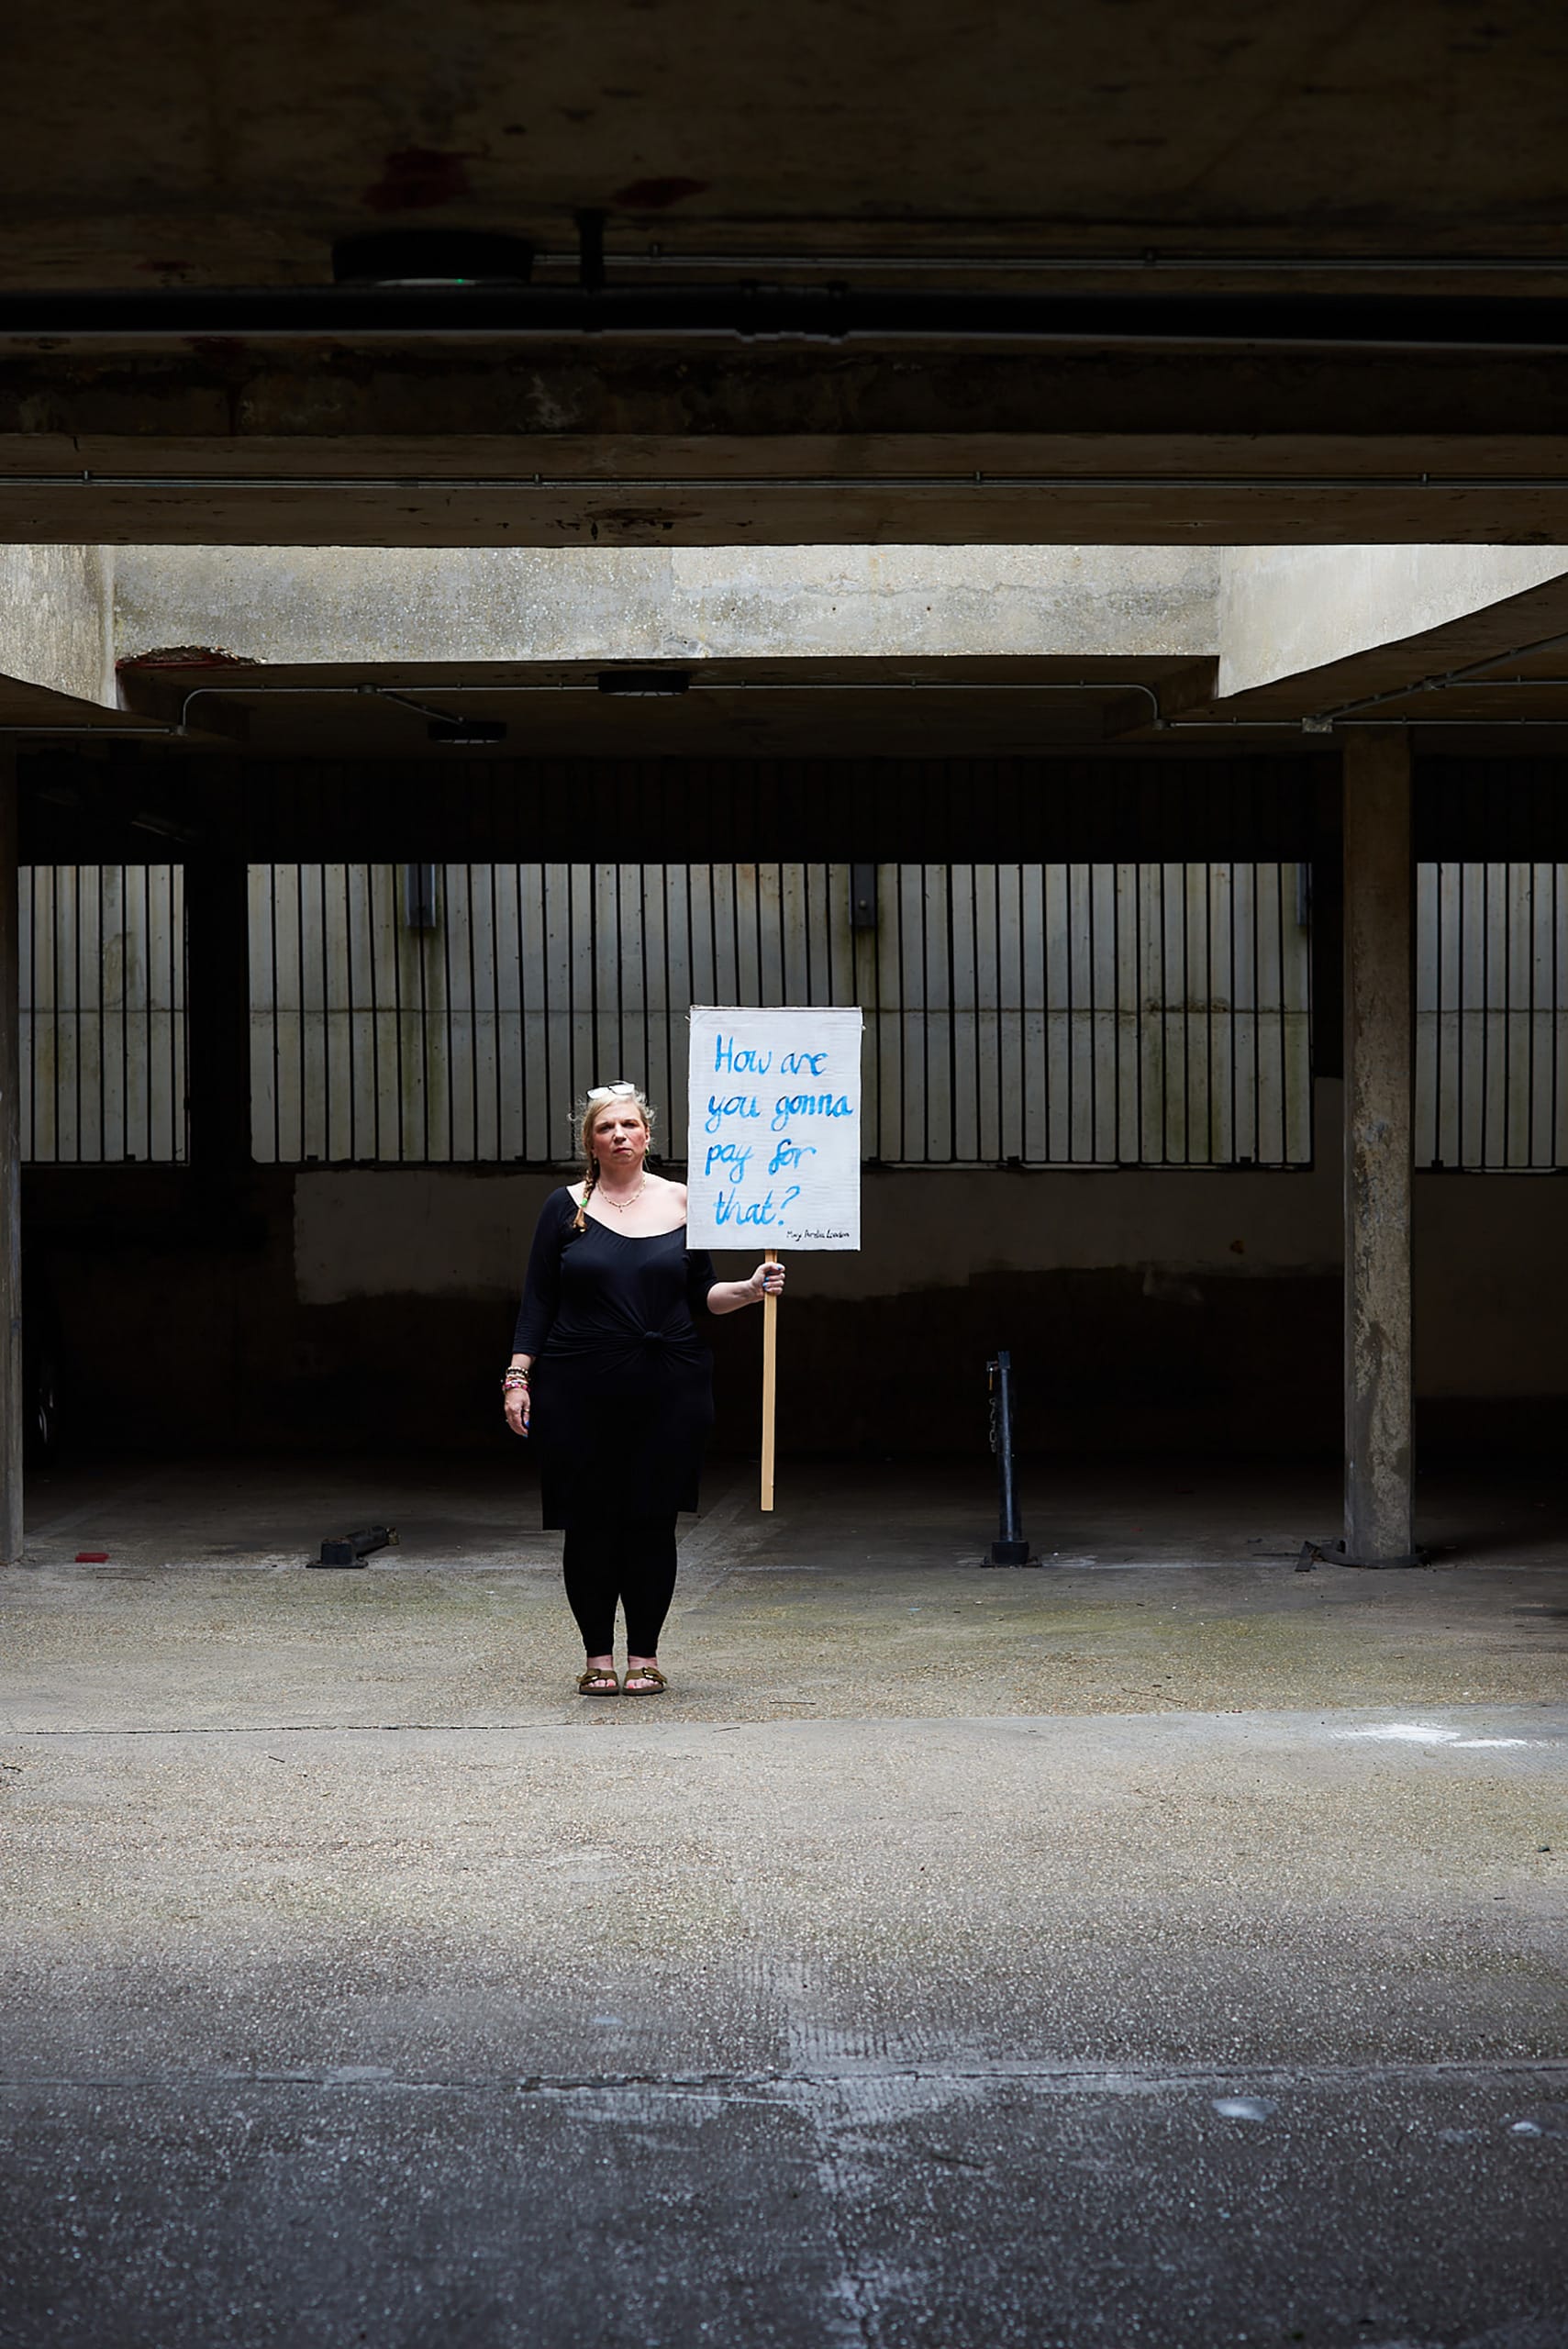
{"points": [[643, 1677], [599, 1680]]}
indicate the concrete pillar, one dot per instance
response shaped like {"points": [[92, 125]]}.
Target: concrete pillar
{"points": [[218, 980], [1379, 1061], [13, 1400]]}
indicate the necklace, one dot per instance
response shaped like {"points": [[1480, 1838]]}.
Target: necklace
{"points": [[621, 1205]]}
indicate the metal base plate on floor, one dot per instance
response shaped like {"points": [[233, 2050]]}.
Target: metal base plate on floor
{"points": [[1009, 1553]]}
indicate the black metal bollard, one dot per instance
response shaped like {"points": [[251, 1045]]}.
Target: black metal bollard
{"points": [[1011, 1548]]}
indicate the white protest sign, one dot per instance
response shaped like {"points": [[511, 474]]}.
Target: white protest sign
{"points": [[774, 1152]]}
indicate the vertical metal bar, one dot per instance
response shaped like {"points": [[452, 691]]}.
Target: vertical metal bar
{"points": [[676, 1145], [1002, 1152], [1213, 1148], [499, 1150], [1461, 1022], [1136, 871], [1160, 869], [1487, 871], [1556, 870], [303, 1151], [12, 1382], [1069, 929], [1530, 1020], [350, 1014], [104, 1027], [1440, 1030], [1283, 1031], [619, 949], [597, 1073], [54, 995], [1093, 976], [177, 1011], [952, 1019], [1186, 1016], [396, 935], [421, 938], [147, 1000], [1257, 1015], [902, 1015], [375, 1012], [76, 956], [33, 880], [1231, 870], [438, 1027], [472, 1013], [1117, 1121], [643, 873], [1508, 877], [273, 871], [326, 1016], [757, 928], [544, 946]]}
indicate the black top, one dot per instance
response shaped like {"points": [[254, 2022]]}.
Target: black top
{"points": [[622, 1384]]}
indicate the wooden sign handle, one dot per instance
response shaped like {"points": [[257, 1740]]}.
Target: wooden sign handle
{"points": [[770, 1384]]}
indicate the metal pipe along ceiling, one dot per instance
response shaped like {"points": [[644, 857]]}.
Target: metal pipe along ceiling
{"points": [[833, 312]]}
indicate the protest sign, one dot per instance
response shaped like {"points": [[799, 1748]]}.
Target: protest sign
{"points": [[774, 1145], [773, 1149]]}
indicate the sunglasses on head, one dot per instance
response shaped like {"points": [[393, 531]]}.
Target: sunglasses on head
{"points": [[612, 1092]]}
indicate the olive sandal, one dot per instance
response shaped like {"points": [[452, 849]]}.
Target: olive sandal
{"points": [[599, 1680], [644, 1672]]}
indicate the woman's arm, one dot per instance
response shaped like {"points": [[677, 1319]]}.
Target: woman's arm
{"points": [[541, 1283], [728, 1296], [541, 1295]]}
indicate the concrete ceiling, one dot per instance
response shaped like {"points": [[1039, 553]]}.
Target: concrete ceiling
{"points": [[1394, 149], [170, 145]]}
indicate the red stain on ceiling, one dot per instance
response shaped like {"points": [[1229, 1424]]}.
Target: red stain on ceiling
{"points": [[416, 179], [652, 195]]}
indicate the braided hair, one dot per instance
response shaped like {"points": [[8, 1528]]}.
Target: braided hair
{"points": [[587, 1117]]}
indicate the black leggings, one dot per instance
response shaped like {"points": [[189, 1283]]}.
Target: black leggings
{"points": [[628, 1559]]}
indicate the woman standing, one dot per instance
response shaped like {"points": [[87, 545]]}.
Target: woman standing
{"points": [[625, 1403]]}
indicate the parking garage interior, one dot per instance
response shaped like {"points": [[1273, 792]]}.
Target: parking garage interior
{"points": [[1053, 531]]}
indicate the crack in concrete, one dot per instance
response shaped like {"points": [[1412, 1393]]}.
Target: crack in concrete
{"points": [[827, 2093]]}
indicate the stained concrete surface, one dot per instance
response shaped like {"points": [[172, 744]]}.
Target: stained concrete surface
{"points": [[1164, 1945]]}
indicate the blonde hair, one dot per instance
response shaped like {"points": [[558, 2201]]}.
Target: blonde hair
{"points": [[588, 1116]]}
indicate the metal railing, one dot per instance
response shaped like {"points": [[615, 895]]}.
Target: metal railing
{"points": [[1126, 1014], [101, 955], [1491, 1019]]}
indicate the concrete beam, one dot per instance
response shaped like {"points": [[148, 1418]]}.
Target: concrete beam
{"points": [[1307, 613], [721, 440], [345, 607], [1379, 1062], [56, 620], [13, 1398]]}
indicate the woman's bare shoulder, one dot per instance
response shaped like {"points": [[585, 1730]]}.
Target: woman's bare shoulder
{"points": [[677, 1190]]}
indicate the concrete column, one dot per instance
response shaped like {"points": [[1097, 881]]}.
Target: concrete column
{"points": [[13, 1400], [219, 978], [1379, 1062]]}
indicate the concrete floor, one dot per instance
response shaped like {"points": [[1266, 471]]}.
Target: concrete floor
{"points": [[1163, 1946]]}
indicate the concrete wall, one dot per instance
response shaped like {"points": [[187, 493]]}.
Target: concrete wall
{"points": [[361, 1311], [340, 606], [57, 620], [1285, 609]]}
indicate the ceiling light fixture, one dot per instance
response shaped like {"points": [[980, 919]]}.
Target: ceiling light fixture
{"points": [[432, 257], [643, 683]]}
